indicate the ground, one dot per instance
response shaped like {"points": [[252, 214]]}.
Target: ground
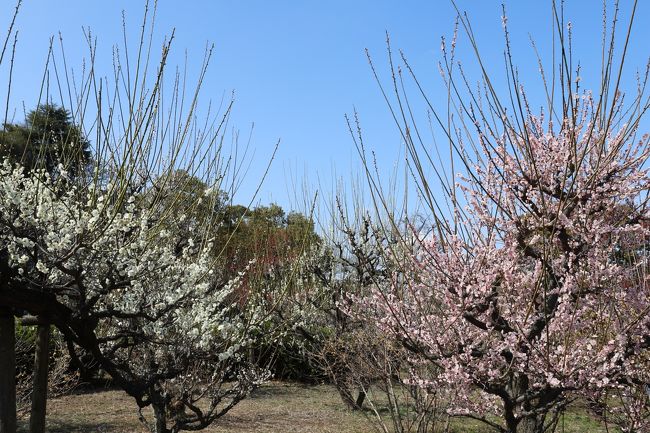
{"points": [[276, 407]]}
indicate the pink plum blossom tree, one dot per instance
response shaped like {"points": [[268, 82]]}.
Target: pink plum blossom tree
{"points": [[532, 289]]}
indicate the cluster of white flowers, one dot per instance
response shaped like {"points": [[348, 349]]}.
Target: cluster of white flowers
{"points": [[111, 258]]}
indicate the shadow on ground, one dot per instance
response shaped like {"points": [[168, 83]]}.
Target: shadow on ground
{"points": [[77, 426]]}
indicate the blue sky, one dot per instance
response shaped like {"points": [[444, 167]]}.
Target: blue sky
{"points": [[298, 66]]}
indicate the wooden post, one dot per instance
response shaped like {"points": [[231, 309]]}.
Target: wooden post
{"points": [[39, 391], [7, 371]]}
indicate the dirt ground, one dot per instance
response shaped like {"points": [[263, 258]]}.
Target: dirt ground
{"points": [[276, 407]]}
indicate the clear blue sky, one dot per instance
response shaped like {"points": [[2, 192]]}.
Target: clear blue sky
{"points": [[298, 66]]}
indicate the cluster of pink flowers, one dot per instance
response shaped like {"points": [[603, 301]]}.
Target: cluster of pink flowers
{"points": [[540, 293]]}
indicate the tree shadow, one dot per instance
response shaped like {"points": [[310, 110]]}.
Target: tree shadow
{"points": [[278, 390], [76, 426]]}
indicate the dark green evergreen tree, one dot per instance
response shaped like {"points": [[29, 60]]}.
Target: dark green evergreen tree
{"points": [[48, 138]]}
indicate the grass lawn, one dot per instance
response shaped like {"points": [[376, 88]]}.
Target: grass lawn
{"points": [[276, 407]]}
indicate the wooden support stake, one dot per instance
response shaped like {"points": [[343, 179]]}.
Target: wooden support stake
{"points": [[7, 371], [39, 392]]}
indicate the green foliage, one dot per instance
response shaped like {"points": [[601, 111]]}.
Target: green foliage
{"points": [[266, 232], [25, 335], [46, 139], [264, 239]]}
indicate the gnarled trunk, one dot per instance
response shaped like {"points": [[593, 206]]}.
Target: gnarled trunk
{"points": [[531, 424], [160, 417], [529, 415]]}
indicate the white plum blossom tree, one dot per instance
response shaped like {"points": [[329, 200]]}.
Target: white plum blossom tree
{"points": [[118, 257], [114, 281]]}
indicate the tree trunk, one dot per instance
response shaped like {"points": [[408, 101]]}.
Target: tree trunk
{"points": [[537, 408], [346, 394], [533, 424], [39, 393], [529, 424], [160, 418], [7, 371], [360, 399]]}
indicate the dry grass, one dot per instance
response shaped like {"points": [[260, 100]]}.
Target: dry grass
{"points": [[276, 407]]}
